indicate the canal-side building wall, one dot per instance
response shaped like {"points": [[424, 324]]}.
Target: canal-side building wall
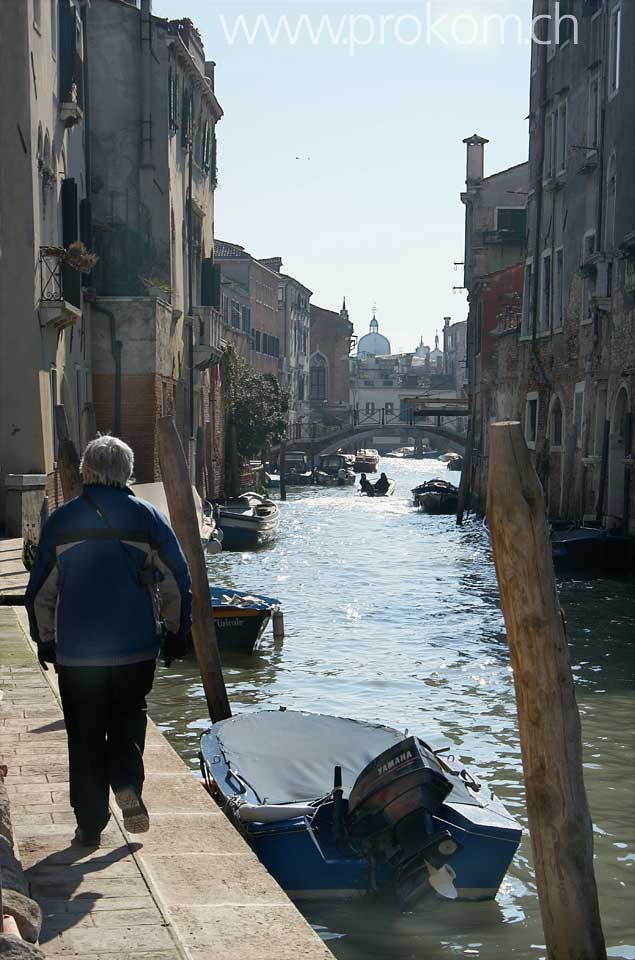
{"points": [[153, 116], [577, 336], [495, 239], [45, 321]]}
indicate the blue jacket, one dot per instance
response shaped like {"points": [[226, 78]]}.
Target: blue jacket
{"points": [[85, 593]]}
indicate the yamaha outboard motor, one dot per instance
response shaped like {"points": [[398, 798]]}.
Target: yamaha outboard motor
{"points": [[390, 817]]}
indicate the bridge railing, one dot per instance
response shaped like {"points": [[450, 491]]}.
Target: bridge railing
{"points": [[360, 420]]}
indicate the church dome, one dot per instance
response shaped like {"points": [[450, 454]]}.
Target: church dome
{"points": [[373, 344]]}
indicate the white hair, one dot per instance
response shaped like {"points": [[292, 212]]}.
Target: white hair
{"points": [[107, 460]]}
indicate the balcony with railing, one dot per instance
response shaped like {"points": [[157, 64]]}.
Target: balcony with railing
{"points": [[60, 289]]}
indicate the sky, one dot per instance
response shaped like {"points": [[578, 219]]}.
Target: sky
{"points": [[341, 151]]}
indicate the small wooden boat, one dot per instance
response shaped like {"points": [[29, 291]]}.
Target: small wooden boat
{"points": [[366, 461], [297, 470], [247, 521], [453, 460], [211, 536], [436, 496], [380, 493], [338, 808], [335, 470], [240, 618]]}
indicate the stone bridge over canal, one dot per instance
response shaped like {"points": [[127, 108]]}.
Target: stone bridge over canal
{"points": [[440, 414]]}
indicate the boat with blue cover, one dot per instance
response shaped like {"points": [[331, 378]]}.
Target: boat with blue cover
{"points": [[336, 807], [241, 618]]}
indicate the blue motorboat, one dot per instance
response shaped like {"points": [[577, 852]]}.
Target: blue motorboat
{"points": [[241, 618], [592, 548], [336, 807]]}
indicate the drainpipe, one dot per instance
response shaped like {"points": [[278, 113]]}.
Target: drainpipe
{"points": [[116, 348], [190, 292], [541, 70]]}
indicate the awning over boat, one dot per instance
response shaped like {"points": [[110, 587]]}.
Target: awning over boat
{"points": [[287, 756]]}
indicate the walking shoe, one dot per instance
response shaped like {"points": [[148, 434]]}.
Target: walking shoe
{"points": [[86, 838], [135, 815]]}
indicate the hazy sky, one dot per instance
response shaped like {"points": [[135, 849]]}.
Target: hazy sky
{"points": [[375, 107]]}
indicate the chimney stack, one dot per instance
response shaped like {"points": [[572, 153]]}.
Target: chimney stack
{"points": [[475, 158]]}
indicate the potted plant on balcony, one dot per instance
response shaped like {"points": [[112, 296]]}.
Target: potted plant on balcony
{"points": [[79, 258], [156, 287]]}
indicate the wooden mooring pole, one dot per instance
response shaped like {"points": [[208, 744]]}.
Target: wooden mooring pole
{"points": [[282, 468], [67, 458], [178, 492], [549, 723]]}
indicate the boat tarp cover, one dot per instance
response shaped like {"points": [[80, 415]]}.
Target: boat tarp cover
{"points": [[287, 756], [226, 597]]}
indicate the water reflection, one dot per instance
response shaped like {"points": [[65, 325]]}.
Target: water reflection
{"points": [[391, 615]]}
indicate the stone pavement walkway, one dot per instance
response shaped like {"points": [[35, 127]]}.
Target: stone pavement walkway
{"points": [[13, 576], [189, 888]]}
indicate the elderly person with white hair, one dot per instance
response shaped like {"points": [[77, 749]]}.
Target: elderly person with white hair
{"points": [[110, 581]]}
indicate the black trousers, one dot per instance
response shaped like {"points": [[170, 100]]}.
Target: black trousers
{"points": [[105, 712]]}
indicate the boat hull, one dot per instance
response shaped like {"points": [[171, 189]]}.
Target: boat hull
{"points": [[311, 856], [247, 522], [239, 623], [439, 503]]}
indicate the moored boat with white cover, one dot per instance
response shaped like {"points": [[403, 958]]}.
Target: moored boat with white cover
{"points": [[246, 521]]}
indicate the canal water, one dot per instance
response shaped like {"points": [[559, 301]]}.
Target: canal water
{"points": [[392, 615]]}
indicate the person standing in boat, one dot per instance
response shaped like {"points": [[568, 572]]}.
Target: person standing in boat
{"points": [[366, 486], [382, 485], [110, 581]]}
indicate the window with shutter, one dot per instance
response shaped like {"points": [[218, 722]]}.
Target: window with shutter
{"points": [[205, 158]]}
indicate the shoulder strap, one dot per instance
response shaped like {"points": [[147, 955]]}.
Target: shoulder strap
{"points": [[132, 566]]}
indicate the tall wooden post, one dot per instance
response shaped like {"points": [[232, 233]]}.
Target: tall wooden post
{"points": [[209, 459], [559, 820], [178, 492], [282, 467], [67, 458], [200, 462]]}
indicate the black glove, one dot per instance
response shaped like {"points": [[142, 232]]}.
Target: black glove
{"points": [[173, 647], [46, 653]]}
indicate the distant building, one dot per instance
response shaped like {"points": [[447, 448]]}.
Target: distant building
{"points": [[329, 372], [45, 320], [294, 320], [383, 384], [455, 353], [250, 306], [373, 343]]}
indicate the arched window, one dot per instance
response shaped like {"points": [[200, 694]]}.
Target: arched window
{"points": [[318, 377]]}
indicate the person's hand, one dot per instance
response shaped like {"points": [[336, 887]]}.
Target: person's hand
{"points": [[46, 653], [173, 647]]}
